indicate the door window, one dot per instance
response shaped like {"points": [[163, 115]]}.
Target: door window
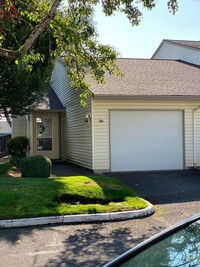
{"points": [[44, 133]]}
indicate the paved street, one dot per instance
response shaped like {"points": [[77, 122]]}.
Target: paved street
{"points": [[86, 244], [94, 244]]}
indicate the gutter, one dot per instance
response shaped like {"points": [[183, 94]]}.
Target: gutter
{"points": [[194, 137]]}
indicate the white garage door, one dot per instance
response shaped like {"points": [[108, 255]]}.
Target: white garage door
{"points": [[146, 140]]}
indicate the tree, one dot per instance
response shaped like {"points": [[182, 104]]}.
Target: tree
{"points": [[19, 90], [21, 85], [33, 34]]}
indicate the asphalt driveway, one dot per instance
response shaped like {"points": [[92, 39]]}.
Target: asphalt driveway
{"points": [[164, 186]]}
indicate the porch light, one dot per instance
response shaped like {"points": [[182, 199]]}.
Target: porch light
{"points": [[88, 118]]}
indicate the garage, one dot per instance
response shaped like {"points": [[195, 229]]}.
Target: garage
{"points": [[146, 140]]}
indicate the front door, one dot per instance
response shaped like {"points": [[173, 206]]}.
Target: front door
{"points": [[46, 135]]}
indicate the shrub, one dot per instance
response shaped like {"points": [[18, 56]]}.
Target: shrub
{"points": [[17, 148], [5, 168], [36, 166]]}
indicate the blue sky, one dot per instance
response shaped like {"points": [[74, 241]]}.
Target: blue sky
{"points": [[158, 24]]}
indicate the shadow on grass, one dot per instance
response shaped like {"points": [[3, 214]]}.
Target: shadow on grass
{"points": [[28, 197], [36, 197]]}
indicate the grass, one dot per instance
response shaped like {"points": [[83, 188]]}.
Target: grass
{"points": [[32, 197]]}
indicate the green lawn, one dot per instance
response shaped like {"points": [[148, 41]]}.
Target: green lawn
{"points": [[32, 197]]}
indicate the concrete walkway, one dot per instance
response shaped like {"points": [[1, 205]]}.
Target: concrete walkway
{"points": [[62, 168]]}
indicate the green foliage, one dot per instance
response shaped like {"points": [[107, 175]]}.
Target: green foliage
{"points": [[5, 168], [70, 33], [17, 148], [27, 197], [20, 89], [36, 166]]}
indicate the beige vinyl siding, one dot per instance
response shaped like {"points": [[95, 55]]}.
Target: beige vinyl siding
{"points": [[31, 129], [19, 126], [60, 82], [188, 135], [76, 134], [102, 107], [63, 143], [198, 136], [178, 52]]}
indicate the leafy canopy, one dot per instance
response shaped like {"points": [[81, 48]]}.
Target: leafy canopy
{"points": [[33, 34]]}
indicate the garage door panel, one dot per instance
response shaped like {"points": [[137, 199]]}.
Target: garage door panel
{"points": [[146, 140]]}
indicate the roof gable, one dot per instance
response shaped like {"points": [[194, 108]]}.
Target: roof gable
{"points": [[193, 45], [49, 101]]}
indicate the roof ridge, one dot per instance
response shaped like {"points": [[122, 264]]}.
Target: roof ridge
{"points": [[180, 40], [188, 43], [147, 59]]}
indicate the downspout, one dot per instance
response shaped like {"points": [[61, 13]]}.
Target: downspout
{"points": [[194, 137]]}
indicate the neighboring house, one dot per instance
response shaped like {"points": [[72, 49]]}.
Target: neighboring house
{"points": [[5, 134], [188, 51], [147, 120], [4, 127]]}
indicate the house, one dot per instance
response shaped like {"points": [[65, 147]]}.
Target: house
{"points": [[4, 127], [5, 134], [188, 51], [147, 120]]}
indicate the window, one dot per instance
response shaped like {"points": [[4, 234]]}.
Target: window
{"points": [[44, 133]]}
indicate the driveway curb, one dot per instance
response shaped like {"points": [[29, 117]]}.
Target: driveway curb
{"points": [[82, 218]]}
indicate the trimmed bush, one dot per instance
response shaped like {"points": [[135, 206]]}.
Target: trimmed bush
{"points": [[17, 148], [18, 145], [36, 166]]}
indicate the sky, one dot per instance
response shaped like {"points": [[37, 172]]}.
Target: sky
{"points": [[156, 25]]}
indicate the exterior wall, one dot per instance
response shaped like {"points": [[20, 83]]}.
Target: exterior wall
{"points": [[76, 139], [19, 126], [101, 137], [197, 134], [63, 127], [5, 127], [177, 52]]}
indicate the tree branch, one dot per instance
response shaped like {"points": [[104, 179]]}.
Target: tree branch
{"points": [[34, 35], [41, 27], [9, 53]]}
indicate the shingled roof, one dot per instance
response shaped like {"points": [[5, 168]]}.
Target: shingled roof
{"points": [[147, 77], [49, 101]]}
